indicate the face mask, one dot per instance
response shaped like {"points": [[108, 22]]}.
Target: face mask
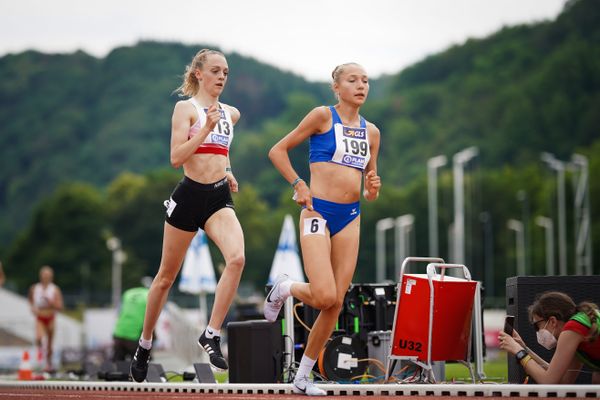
{"points": [[545, 338]]}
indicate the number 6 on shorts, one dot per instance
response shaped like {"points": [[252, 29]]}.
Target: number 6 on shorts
{"points": [[314, 226]]}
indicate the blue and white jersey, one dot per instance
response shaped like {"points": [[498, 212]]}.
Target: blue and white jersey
{"points": [[344, 145]]}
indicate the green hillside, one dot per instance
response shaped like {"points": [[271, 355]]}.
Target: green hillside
{"points": [[67, 119], [75, 117], [518, 92]]}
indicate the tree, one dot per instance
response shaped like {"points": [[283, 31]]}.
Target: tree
{"points": [[65, 233]]}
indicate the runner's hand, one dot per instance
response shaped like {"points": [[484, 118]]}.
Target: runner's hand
{"points": [[233, 185], [372, 185], [302, 195], [213, 115]]}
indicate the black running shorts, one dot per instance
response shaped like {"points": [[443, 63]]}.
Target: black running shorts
{"points": [[193, 203]]}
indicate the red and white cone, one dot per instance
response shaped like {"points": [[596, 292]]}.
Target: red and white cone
{"points": [[25, 373]]}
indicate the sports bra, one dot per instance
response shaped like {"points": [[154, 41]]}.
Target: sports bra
{"points": [[342, 144], [220, 138], [42, 295]]}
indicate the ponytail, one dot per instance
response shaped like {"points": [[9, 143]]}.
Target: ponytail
{"points": [[190, 85]]}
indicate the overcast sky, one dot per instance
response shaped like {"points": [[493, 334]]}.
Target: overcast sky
{"points": [[308, 37]]}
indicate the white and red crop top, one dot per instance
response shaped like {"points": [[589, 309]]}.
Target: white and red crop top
{"points": [[220, 138], [43, 296]]}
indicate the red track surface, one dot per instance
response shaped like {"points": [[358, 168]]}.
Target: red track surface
{"points": [[33, 394]]}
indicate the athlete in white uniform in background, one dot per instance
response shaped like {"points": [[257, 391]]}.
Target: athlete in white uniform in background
{"points": [[45, 299]]}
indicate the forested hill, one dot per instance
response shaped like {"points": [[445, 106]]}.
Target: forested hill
{"points": [[76, 117], [518, 92]]}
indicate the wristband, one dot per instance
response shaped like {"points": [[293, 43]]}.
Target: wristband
{"points": [[525, 360], [227, 169], [296, 181]]}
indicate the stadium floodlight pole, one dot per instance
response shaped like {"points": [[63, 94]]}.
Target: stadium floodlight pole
{"points": [[559, 167], [118, 258], [432, 165], [517, 226], [548, 226], [459, 160], [583, 235], [522, 198], [488, 250], [380, 227], [404, 225]]}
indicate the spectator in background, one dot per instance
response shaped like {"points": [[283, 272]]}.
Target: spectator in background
{"points": [[45, 299], [562, 325], [130, 321]]}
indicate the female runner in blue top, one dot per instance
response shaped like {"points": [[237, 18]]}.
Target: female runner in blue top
{"points": [[343, 154]]}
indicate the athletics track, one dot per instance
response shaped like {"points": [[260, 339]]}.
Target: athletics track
{"points": [[53, 390]]}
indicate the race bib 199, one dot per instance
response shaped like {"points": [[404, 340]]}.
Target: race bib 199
{"points": [[351, 146]]}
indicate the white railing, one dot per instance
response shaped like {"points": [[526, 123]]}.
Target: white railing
{"points": [[184, 335]]}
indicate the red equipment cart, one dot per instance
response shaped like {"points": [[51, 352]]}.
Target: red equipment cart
{"points": [[433, 316]]}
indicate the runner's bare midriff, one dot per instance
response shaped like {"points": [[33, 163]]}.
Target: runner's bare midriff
{"points": [[205, 168], [45, 312], [333, 182]]}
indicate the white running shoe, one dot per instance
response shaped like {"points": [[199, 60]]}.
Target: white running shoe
{"points": [[307, 387], [275, 299]]}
